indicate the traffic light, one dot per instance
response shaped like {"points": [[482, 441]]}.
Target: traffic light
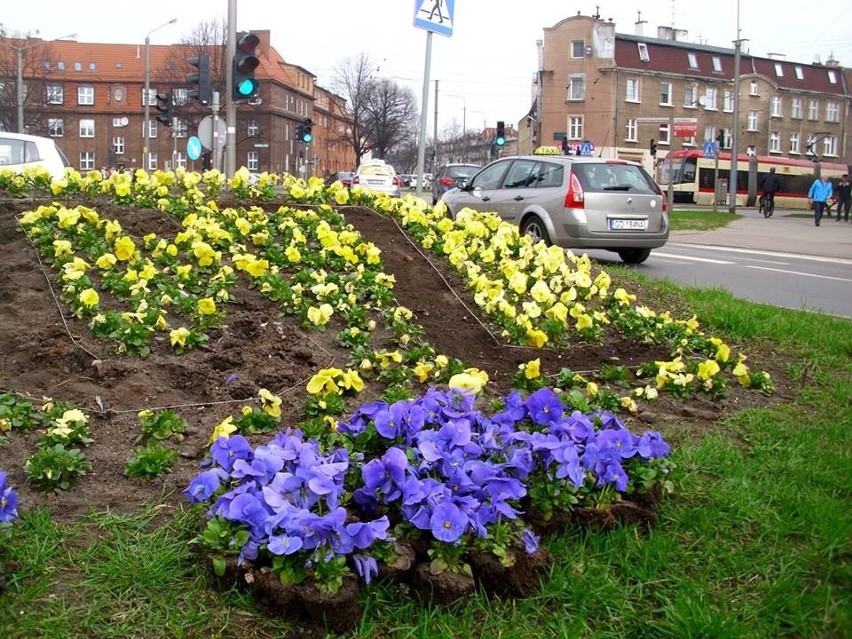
{"points": [[164, 106], [244, 63], [305, 133], [201, 79], [653, 148], [500, 140]]}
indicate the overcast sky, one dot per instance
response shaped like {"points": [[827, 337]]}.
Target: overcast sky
{"points": [[483, 70]]}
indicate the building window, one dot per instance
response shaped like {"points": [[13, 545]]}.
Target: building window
{"points": [[832, 112], [152, 161], [752, 88], [253, 161], [813, 109], [152, 97], [728, 103], [253, 129], [710, 98], [575, 127], [54, 94], [726, 138], [800, 75], [78, 66], [180, 96], [752, 120], [47, 65], [690, 95], [180, 159], [152, 129], [60, 65], [664, 136], [665, 93], [829, 145], [693, 60], [779, 70], [630, 130], [578, 49], [87, 160], [796, 109], [181, 128], [87, 128], [717, 64], [794, 143], [643, 52], [55, 127], [118, 145], [632, 90], [775, 107], [85, 94], [92, 66], [577, 87], [832, 76], [774, 142]]}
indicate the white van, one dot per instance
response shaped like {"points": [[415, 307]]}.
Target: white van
{"points": [[18, 150]]}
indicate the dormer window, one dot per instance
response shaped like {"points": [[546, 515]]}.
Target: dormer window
{"points": [[643, 52], [832, 76], [717, 64], [693, 60], [779, 70], [800, 75]]}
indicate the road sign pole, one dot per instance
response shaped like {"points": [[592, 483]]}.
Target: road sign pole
{"points": [[715, 181], [214, 146], [424, 106]]}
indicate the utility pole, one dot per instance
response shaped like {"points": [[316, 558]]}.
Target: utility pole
{"points": [[732, 182]]}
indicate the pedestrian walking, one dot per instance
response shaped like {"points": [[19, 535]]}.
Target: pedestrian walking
{"points": [[844, 197], [818, 195], [770, 185]]}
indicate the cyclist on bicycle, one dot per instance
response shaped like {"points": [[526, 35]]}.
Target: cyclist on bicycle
{"points": [[770, 187]]}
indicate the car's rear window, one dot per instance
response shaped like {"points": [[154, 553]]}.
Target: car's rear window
{"points": [[461, 171], [376, 169], [604, 176]]}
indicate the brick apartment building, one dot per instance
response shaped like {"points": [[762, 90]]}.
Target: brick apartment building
{"points": [[90, 97], [594, 84]]}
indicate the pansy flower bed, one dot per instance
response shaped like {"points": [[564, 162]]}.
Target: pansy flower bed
{"points": [[388, 468]]}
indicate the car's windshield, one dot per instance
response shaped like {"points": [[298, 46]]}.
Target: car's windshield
{"points": [[607, 176], [376, 169]]}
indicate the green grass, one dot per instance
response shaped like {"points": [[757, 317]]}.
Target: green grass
{"points": [[756, 543], [700, 220]]}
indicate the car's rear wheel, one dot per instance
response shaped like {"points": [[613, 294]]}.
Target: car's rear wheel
{"points": [[535, 228], [634, 256]]}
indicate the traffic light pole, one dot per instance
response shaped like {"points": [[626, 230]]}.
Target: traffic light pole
{"points": [[214, 142], [231, 110]]}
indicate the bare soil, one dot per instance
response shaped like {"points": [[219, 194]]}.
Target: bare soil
{"points": [[44, 352]]}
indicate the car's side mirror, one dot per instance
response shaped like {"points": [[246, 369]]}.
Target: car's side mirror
{"points": [[461, 184]]}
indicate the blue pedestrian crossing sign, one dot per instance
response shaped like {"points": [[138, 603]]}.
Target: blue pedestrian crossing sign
{"points": [[709, 150], [586, 148], [435, 16]]}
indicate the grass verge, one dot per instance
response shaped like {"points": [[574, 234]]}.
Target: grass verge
{"points": [[756, 543], [700, 220]]}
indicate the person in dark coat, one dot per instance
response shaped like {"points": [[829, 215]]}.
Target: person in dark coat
{"points": [[844, 197], [771, 184]]}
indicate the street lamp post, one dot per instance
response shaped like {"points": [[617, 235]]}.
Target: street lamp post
{"points": [[146, 100], [19, 89]]}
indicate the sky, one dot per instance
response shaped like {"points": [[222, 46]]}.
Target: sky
{"points": [[483, 71]]}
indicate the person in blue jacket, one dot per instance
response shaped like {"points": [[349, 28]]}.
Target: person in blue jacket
{"points": [[818, 195]]}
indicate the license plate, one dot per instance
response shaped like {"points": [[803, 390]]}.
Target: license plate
{"points": [[627, 225]]}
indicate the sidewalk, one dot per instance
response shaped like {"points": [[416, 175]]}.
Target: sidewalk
{"points": [[780, 233]]}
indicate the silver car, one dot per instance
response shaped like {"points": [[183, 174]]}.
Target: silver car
{"points": [[377, 175], [571, 201]]}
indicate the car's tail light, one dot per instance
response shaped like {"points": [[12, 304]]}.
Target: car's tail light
{"points": [[575, 198], [355, 180], [397, 181], [445, 181], [665, 204]]}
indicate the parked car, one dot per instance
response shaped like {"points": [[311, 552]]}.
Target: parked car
{"points": [[448, 176], [344, 177], [18, 150], [572, 202], [378, 175]]}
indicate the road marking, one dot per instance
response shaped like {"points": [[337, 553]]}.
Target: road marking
{"points": [[782, 270], [690, 258], [730, 249]]}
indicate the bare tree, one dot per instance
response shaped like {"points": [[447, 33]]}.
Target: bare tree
{"points": [[392, 111], [353, 81], [35, 54]]}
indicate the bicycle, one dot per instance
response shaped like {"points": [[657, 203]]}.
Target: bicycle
{"points": [[767, 204]]}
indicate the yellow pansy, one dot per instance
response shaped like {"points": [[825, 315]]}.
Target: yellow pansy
{"points": [[89, 297], [532, 369], [206, 306], [178, 336], [223, 429]]}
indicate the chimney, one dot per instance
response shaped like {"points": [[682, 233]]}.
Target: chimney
{"points": [[639, 23]]}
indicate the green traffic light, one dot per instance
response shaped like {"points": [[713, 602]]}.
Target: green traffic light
{"points": [[500, 141], [307, 137], [247, 87]]}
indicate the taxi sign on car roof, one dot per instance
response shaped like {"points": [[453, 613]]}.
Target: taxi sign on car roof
{"points": [[547, 150]]}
